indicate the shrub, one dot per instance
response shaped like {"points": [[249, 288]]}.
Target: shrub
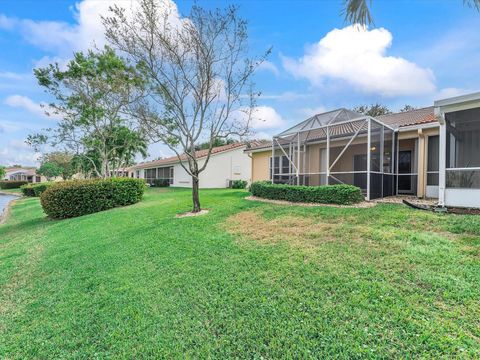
{"points": [[12, 184], [80, 197], [238, 184], [35, 189], [161, 182], [326, 194], [27, 190]]}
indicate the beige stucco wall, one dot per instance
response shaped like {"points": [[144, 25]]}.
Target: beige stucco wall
{"points": [[260, 165]]}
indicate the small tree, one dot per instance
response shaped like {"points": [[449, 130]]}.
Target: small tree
{"points": [[3, 172], [94, 95], [216, 142], [50, 170], [407, 108], [372, 110], [62, 160], [199, 75]]}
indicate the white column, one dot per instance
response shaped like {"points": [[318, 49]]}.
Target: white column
{"points": [[369, 140], [298, 158], [328, 153], [382, 150], [271, 160], [442, 163]]}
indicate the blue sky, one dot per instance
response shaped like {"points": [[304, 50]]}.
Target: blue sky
{"points": [[417, 51]]}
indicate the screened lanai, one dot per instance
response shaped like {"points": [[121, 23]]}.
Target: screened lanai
{"points": [[337, 147]]}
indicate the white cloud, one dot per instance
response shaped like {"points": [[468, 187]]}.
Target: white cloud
{"points": [[24, 102], [285, 96], [63, 38], [309, 111], [7, 23], [269, 66], [266, 117], [451, 92], [8, 126], [262, 118], [358, 57], [18, 152]]}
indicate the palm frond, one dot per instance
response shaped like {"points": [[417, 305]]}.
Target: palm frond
{"points": [[358, 12], [473, 4]]}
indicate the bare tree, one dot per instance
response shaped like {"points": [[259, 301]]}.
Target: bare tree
{"points": [[199, 73]]}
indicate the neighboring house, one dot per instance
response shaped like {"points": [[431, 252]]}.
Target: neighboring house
{"points": [[227, 163], [430, 152], [23, 174]]}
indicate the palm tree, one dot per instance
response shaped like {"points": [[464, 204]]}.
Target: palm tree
{"points": [[358, 11]]}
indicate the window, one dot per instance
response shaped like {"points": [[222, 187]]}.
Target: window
{"points": [[463, 149], [432, 160], [164, 173], [285, 165], [281, 170]]}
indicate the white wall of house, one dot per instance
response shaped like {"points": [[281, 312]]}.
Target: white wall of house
{"points": [[233, 164]]}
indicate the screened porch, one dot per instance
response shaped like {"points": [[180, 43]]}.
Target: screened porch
{"points": [[338, 147]]}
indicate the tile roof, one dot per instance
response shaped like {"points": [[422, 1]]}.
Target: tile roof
{"points": [[28, 171], [398, 120], [408, 118], [199, 154]]}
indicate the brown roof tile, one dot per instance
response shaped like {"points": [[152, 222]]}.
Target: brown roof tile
{"points": [[199, 154], [408, 118]]}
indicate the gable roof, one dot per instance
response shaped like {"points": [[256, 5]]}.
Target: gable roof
{"points": [[199, 154]]}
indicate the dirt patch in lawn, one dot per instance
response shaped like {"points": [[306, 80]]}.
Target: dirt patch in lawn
{"points": [[297, 231], [190, 214]]}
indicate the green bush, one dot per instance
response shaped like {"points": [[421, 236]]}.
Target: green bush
{"points": [[35, 189], [161, 182], [80, 197], [327, 194], [27, 190], [238, 184], [12, 184]]}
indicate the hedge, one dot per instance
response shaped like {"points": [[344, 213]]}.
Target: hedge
{"points": [[12, 184], [239, 184], [161, 182], [80, 197], [35, 189], [326, 194]]}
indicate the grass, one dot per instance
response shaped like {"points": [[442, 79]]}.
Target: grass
{"points": [[247, 280], [11, 191]]}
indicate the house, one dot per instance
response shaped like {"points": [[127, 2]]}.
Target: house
{"points": [[227, 163], [430, 152], [23, 174]]}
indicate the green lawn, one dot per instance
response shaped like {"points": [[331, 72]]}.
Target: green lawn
{"points": [[11, 191], [247, 280]]}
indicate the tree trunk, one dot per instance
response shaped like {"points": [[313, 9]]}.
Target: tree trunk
{"points": [[195, 194]]}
